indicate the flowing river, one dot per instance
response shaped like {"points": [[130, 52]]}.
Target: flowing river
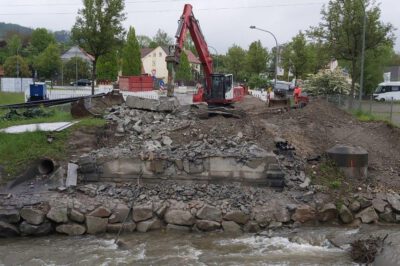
{"points": [[307, 247]]}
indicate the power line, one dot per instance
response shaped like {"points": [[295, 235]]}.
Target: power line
{"points": [[174, 10]]}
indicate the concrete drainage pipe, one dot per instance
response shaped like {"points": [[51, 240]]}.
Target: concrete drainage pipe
{"points": [[46, 166]]}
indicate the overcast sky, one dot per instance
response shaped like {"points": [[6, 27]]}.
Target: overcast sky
{"points": [[223, 22]]}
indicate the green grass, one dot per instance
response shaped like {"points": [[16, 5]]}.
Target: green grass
{"points": [[11, 98], [18, 150], [368, 117]]}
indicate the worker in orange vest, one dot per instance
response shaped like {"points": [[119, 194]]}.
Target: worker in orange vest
{"points": [[296, 94]]}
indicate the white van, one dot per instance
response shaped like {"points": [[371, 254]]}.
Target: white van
{"points": [[387, 91]]}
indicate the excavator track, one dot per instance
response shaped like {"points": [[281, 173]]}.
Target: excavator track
{"points": [[204, 111]]}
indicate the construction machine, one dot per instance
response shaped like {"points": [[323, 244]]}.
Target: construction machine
{"points": [[218, 90]]}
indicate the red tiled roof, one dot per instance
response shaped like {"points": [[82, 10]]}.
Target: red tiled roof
{"points": [[192, 58], [91, 57], [145, 51]]}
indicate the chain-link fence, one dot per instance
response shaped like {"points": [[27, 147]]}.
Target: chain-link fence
{"points": [[387, 110]]}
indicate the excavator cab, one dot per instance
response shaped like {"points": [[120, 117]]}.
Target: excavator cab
{"points": [[221, 88]]}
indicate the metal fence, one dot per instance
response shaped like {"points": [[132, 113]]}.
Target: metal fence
{"points": [[387, 110]]}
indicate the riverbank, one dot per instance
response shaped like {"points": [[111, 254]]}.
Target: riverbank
{"points": [[170, 171]]}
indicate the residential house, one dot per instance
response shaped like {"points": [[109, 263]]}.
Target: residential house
{"points": [[154, 64], [394, 73]]}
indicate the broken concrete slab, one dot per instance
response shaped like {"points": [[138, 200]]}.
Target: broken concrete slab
{"points": [[163, 104], [72, 175], [58, 126]]}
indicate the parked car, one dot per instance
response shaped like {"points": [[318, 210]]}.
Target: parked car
{"points": [[81, 82], [282, 87]]}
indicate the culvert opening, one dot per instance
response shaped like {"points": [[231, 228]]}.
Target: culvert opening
{"points": [[46, 166]]}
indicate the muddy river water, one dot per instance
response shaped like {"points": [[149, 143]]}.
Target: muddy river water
{"points": [[306, 247]]}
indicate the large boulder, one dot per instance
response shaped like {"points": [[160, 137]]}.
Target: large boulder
{"points": [[71, 229], [152, 224], [9, 216], [76, 216], [43, 229], [101, 212], [328, 213], [179, 217], [32, 216], [367, 215], [345, 214], [251, 227], [58, 214], [210, 213], [126, 227], [394, 201], [178, 228], [237, 217], [205, 225], [304, 214], [379, 205], [8, 230], [387, 216], [142, 213], [96, 225], [231, 227], [119, 214]]}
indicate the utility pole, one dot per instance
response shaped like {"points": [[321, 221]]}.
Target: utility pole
{"points": [[363, 53]]}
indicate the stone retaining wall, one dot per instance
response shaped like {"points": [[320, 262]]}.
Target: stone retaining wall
{"points": [[44, 219]]}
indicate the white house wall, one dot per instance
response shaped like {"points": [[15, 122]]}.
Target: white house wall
{"points": [[155, 60]]}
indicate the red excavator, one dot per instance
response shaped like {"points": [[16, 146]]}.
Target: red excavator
{"points": [[218, 90]]}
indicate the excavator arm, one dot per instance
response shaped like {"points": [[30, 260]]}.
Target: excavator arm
{"points": [[189, 23]]}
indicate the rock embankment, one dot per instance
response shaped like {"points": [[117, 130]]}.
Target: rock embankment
{"points": [[103, 208]]}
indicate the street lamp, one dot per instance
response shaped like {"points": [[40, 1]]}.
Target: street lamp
{"points": [[276, 52]]}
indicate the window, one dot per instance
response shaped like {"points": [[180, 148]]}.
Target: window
{"points": [[160, 54], [154, 63], [154, 54], [395, 88]]}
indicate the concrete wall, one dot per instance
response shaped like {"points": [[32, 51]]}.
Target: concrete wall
{"points": [[210, 169], [15, 84]]}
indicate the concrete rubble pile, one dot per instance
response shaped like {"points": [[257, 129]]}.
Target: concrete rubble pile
{"points": [[147, 146]]}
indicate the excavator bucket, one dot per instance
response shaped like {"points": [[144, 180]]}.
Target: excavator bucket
{"points": [[95, 106]]}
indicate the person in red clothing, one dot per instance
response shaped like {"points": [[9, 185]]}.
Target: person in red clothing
{"points": [[296, 94]]}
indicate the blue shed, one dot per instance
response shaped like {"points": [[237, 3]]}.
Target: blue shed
{"points": [[37, 91]]}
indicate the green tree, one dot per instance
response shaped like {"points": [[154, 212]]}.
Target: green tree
{"points": [[98, 28], [75, 68], [342, 26], [16, 66], [40, 40], [14, 45], [108, 66], [257, 58], [48, 63], [184, 71], [296, 56], [236, 61], [144, 41], [161, 39], [328, 82], [375, 62], [131, 58]]}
